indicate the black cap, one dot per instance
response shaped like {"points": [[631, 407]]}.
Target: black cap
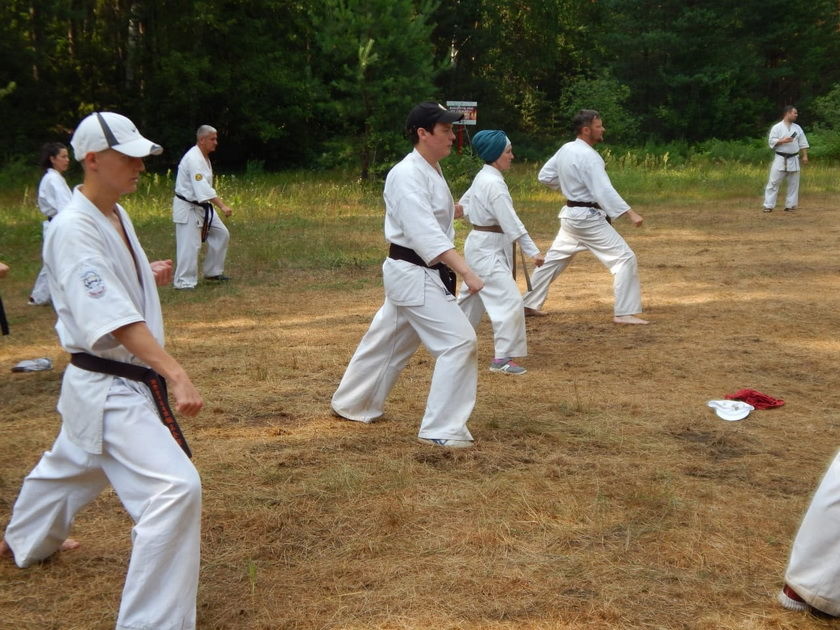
{"points": [[427, 114]]}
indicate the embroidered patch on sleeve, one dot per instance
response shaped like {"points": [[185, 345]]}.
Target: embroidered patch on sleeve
{"points": [[199, 177], [94, 284]]}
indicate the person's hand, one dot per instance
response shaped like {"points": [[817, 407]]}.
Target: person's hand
{"points": [[634, 217], [539, 259], [163, 272], [804, 159], [459, 211], [187, 399], [227, 210], [473, 282], [4, 269]]}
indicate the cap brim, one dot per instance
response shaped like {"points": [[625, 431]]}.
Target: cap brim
{"points": [[139, 147], [450, 117]]}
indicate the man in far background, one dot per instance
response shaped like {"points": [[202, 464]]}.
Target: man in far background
{"points": [[195, 219], [788, 142]]}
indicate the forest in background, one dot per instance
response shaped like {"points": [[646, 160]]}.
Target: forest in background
{"points": [[296, 84]]}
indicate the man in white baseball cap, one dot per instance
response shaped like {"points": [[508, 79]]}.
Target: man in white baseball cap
{"points": [[117, 426]]}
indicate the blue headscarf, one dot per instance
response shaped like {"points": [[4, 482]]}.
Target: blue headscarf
{"points": [[489, 144]]}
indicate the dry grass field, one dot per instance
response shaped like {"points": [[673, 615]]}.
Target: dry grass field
{"points": [[601, 493]]}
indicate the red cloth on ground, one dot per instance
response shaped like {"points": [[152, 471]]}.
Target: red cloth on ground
{"points": [[756, 399]]}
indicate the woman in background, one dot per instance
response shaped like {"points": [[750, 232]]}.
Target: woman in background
{"points": [[53, 195]]}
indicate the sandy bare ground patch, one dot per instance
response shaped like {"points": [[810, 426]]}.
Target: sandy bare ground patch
{"points": [[602, 493]]}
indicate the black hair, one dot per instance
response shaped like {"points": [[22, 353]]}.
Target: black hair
{"points": [[50, 150]]}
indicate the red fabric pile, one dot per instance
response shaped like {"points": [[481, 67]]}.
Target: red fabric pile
{"points": [[756, 399]]}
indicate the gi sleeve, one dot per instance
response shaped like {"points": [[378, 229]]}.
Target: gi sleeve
{"points": [[412, 208], [549, 175], [53, 195], [776, 134], [803, 141], [201, 177], [95, 298], [501, 205], [465, 200], [601, 188]]}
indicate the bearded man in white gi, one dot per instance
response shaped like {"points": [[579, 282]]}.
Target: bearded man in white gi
{"points": [[195, 219], [419, 286], [578, 171], [489, 249], [788, 142], [104, 292], [812, 579]]}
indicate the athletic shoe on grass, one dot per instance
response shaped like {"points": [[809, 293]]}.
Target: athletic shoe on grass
{"points": [[506, 366]]}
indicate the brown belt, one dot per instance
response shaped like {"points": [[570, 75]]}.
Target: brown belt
{"points": [[583, 204], [488, 228], [154, 381]]}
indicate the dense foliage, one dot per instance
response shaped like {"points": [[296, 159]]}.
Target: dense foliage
{"points": [[293, 83]]}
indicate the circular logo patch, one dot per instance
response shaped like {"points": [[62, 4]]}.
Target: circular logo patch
{"points": [[94, 285], [198, 177]]}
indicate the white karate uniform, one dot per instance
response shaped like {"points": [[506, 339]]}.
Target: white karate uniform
{"points": [[111, 431], [784, 168], [579, 172], [418, 309], [53, 195], [813, 571], [489, 254], [194, 181]]}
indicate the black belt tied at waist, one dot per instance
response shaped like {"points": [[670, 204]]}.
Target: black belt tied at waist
{"points": [[488, 228], [447, 276], [154, 381], [787, 156], [209, 213], [583, 204]]}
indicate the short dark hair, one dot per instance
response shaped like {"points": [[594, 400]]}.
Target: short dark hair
{"points": [[787, 109], [411, 132], [49, 150], [583, 119]]}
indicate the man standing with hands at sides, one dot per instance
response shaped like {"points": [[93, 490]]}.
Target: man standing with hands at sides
{"points": [[788, 142], [113, 397], [578, 171], [420, 304], [195, 219]]}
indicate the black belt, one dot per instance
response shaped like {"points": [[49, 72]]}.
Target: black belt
{"points": [[583, 204], [154, 381], [787, 156], [4, 323], [447, 276], [208, 214]]}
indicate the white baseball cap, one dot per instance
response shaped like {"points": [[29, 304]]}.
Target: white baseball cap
{"points": [[107, 130], [731, 409]]}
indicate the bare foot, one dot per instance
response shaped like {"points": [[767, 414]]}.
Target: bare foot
{"points": [[69, 544], [5, 550], [532, 312], [629, 319]]}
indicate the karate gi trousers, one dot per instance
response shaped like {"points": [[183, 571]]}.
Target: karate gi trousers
{"points": [[394, 335], [501, 299], [774, 183], [40, 294], [188, 242], [814, 567], [600, 238], [158, 486]]}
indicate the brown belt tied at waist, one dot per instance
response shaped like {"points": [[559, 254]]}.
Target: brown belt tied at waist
{"points": [[154, 381], [447, 276], [488, 228], [209, 213], [583, 204]]}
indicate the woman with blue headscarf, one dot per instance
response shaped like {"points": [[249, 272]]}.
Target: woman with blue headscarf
{"points": [[489, 252]]}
